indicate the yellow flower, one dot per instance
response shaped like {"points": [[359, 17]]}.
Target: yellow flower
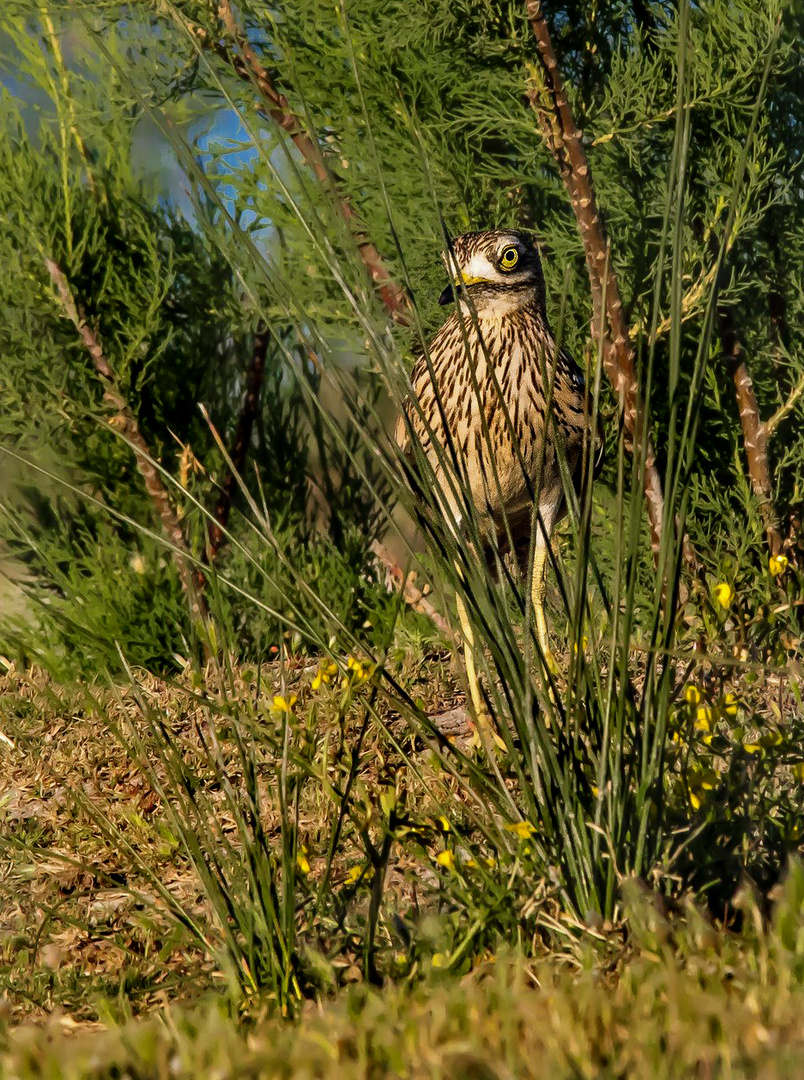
{"points": [[708, 779], [301, 861], [443, 823], [439, 960], [730, 704], [704, 718], [353, 874], [318, 679], [282, 704], [523, 829], [724, 594], [692, 695], [695, 800], [751, 747], [777, 564], [446, 859], [798, 771]]}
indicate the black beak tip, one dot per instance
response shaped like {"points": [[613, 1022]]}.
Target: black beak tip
{"points": [[447, 296]]}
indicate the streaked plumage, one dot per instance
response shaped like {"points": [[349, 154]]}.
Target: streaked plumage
{"points": [[500, 332]]}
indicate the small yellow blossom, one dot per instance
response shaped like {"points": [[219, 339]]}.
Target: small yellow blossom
{"points": [[282, 704], [523, 829], [704, 718], [772, 738], [730, 704], [751, 747], [695, 800], [708, 779], [777, 564], [724, 594], [446, 859], [301, 861], [798, 771], [692, 695], [439, 960], [443, 823], [353, 874]]}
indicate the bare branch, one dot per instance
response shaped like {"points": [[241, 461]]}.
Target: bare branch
{"points": [[126, 423], [413, 596], [755, 433], [245, 426], [549, 100], [247, 65]]}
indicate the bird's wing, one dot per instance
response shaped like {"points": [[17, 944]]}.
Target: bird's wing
{"points": [[405, 418]]}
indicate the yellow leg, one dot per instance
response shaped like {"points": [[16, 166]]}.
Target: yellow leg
{"points": [[537, 596], [484, 728], [482, 716]]}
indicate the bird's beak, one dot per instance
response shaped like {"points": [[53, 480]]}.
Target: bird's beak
{"points": [[455, 290]]}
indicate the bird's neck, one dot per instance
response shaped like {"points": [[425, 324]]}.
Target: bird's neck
{"points": [[508, 305]]}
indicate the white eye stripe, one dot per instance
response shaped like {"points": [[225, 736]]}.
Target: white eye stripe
{"points": [[479, 266]]}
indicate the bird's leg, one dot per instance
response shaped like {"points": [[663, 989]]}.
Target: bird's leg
{"points": [[537, 596], [483, 722], [481, 711]]}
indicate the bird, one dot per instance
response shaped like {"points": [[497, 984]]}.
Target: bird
{"points": [[491, 398]]}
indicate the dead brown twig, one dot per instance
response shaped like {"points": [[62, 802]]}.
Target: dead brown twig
{"points": [[549, 100], [126, 423], [247, 65], [235, 467], [755, 433], [412, 595]]}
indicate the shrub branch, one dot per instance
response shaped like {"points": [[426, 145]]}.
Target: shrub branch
{"points": [[247, 65], [755, 433], [245, 426], [126, 423], [549, 100]]}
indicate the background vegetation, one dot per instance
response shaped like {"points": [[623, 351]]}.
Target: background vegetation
{"points": [[213, 706]]}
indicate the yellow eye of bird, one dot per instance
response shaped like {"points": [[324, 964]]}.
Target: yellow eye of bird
{"points": [[509, 258]]}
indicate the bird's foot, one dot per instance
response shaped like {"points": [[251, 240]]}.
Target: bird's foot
{"points": [[484, 730], [550, 661]]}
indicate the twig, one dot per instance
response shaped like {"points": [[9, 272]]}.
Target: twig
{"points": [[413, 596], [126, 423], [783, 410], [755, 433], [247, 65], [245, 426], [549, 100]]}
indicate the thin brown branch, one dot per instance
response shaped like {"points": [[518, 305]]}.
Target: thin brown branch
{"points": [[413, 595], [126, 423], [242, 439], [247, 65], [755, 433], [549, 100]]}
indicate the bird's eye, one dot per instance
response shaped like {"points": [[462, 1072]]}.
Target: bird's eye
{"points": [[509, 258]]}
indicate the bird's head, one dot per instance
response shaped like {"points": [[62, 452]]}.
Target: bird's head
{"points": [[494, 272]]}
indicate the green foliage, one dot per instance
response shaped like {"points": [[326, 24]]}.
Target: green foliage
{"points": [[692, 119]]}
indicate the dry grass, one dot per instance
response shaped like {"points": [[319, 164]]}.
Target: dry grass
{"points": [[85, 946]]}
